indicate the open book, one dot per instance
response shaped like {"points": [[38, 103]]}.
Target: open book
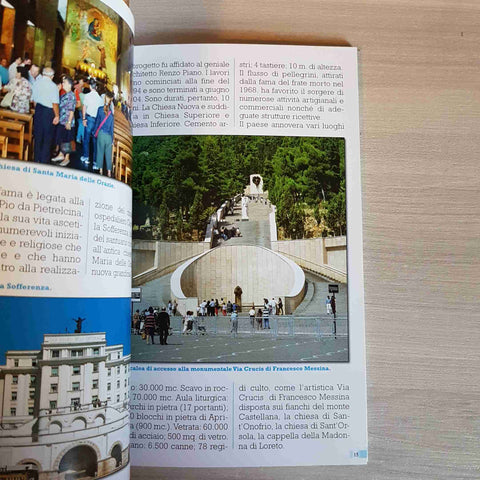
{"points": [[230, 331]]}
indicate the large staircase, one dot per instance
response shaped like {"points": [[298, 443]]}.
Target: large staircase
{"points": [[255, 231]]}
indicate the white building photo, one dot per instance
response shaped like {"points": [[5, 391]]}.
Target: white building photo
{"points": [[64, 408]]}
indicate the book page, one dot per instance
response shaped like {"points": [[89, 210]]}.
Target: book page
{"points": [[248, 332], [65, 239]]}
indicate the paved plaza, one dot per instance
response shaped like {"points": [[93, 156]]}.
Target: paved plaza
{"points": [[262, 347]]}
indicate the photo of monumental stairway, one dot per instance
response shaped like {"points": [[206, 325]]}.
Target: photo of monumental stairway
{"points": [[242, 261]]}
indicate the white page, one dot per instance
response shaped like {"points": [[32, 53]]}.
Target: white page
{"points": [[257, 90]]}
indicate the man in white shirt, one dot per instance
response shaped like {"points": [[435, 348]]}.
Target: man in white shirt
{"points": [[46, 98], [91, 104], [12, 69]]}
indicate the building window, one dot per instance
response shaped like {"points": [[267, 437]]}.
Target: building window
{"points": [[54, 388], [125, 383], [109, 386], [32, 395], [96, 351], [13, 412], [34, 362], [15, 380], [95, 368], [33, 379], [55, 353], [118, 398], [30, 410], [109, 372], [94, 398], [76, 370], [118, 383], [54, 372], [109, 399], [118, 370], [76, 386], [95, 384], [53, 404], [76, 353], [15, 362], [14, 395], [75, 402]]}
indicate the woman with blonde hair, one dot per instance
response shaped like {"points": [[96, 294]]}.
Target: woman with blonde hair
{"points": [[103, 132]]}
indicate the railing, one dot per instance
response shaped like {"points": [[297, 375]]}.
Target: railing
{"points": [[280, 326], [321, 269]]}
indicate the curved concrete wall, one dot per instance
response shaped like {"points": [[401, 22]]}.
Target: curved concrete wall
{"points": [[260, 272]]}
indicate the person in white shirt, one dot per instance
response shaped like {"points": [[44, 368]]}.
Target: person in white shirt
{"points": [[91, 103], [12, 69], [273, 306]]}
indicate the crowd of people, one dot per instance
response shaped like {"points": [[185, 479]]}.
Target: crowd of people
{"points": [[68, 112], [155, 321]]}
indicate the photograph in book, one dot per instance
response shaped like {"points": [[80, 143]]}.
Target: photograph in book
{"points": [[65, 86], [64, 386], [239, 249]]}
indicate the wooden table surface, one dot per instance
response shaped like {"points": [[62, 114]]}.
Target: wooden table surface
{"points": [[420, 122]]}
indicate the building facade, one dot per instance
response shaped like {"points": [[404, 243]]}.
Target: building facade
{"points": [[64, 408]]}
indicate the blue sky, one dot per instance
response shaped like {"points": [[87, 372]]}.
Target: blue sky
{"points": [[24, 320]]}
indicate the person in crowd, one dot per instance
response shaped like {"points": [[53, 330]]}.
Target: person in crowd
{"points": [[333, 304], [280, 307], [34, 73], [203, 308], [259, 318], [103, 135], [169, 307], [136, 322], [212, 307], [229, 307], [4, 78], [65, 130], [217, 307], [234, 322], [188, 322], [251, 314], [91, 105], [174, 308], [22, 91], [273, 306], [150, 326], [12, 69], [266, 314], [328, 305], [80, 89], [163, 326], [47, 115], [224, 308]]}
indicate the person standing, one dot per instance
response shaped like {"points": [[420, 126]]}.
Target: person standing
{"points": [[91, 103], [22, 91], [328, 305], [150, 326], [224, 308], [164, 325], [103, 136], [12, 69], [273, 306], [4, 79], [280, 306], [65, 132], [251, 313], [47, 115], [136, 322], [234, 321], [333, 305], [266, 315]]}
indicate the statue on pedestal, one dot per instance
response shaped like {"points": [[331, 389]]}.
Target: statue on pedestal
{"points": [[245, 208], [238, 297]]}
